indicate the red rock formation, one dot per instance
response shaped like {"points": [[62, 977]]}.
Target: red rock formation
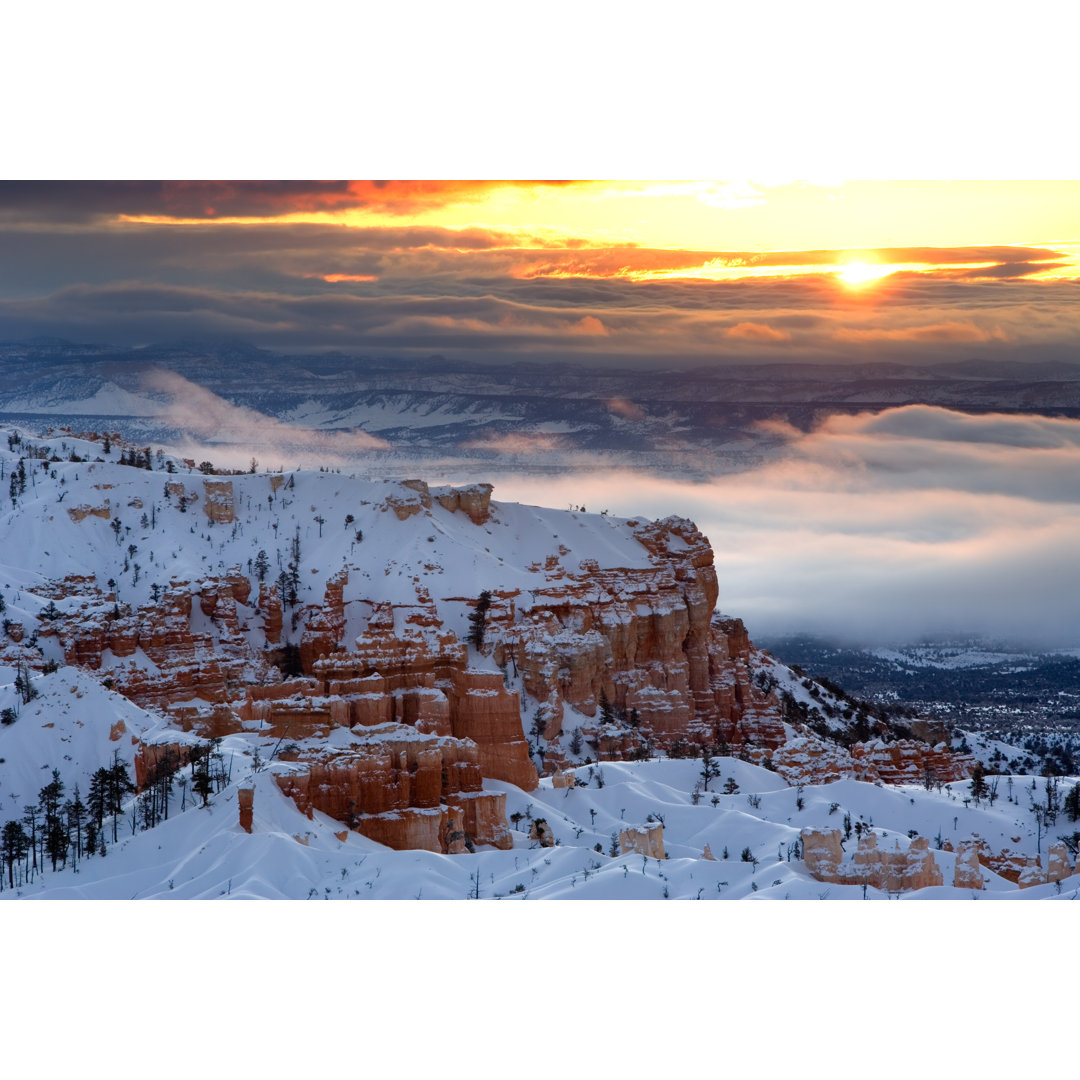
{"points": [[403, 791], [822, 853], [647, 840], [1057, 864], [967, 873], [269, 606], [907, 762], [326, 626], [218, 503], [644, 638], [893, 871], [81, 513], [245, 798]]}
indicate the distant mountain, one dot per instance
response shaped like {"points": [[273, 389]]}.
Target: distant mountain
{"points": [[691, 423]]}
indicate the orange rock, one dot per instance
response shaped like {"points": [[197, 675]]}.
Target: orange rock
{"points": [[246, 799], [647, 840], [218, 503], [893, 871], [967, 873]]}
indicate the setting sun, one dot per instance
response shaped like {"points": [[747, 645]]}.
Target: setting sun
{"points": [[860, 273]]}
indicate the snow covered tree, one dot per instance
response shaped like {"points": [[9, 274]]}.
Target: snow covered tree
{"points": [[262, 565]]}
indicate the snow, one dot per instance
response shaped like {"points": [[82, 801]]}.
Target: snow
{"points": [[202, 853]]}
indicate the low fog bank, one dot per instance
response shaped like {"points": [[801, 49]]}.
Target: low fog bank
{"points": [[881, 528]]}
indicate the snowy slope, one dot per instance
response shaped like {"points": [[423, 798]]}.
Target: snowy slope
{"points": [[76, 725]]}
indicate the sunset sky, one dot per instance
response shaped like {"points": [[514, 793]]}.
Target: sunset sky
{"points": [[639, 273]]}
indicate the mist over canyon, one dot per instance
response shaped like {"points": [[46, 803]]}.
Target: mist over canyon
{"points": [[869, 504]]}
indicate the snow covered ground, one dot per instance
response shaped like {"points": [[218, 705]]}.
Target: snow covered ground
{"points": [[201, 852]]}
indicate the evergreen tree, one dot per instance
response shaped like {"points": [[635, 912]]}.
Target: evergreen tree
{"points": [[262, 565], [607, 713], [117, 786], [54, 832], [710, 767], [14, 844], [979, 789], [478, 621], [1071, 805], [75, 812]]}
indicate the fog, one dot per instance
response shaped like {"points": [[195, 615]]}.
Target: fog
{"points": [[881, 527]]}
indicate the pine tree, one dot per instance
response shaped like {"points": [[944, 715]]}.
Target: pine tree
{"points": [[262, 565], [710, 767], [118, 785], [478, 621], [1071, 805], [55, 834], [14, 844], [979, 790], [607, 713]]}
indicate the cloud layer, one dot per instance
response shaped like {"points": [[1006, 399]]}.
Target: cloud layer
{"points": [[230, 435], [882, 527], [387, 268]]}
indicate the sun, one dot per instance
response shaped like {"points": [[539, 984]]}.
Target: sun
{"points": [[859, 273]]}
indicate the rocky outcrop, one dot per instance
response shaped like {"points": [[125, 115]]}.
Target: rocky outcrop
{"points": [[899, 870], [647, 840], [218, 502], [404, 791], [474, 501], [908, 762], [644, 639], [809, 759], [1057, 867], [822, 853], [967, 872], [245, 798], [637, 650], [81, 513]]}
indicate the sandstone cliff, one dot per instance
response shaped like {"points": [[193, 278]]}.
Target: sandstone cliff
{"points": [[630, 647]]}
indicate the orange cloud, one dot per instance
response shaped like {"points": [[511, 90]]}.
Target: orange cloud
{"points": [[589, 325], [625, 408], [759, 332]]}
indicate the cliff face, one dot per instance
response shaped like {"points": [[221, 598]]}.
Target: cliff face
{"points": [[901, 870], [404, 791], [395, 721], [643, 640]]}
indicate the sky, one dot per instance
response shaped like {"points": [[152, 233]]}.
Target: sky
{"points": [[639, 273]]}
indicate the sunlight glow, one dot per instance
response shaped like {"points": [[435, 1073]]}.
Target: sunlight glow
{"points": [[859, 273]]}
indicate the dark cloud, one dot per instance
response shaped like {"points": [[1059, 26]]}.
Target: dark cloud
{"points": [[67, 270], [70, 201]]}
